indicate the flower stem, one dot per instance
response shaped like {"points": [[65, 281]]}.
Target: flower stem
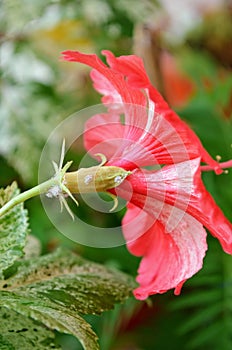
{"points": [[32, 192], [223, 165]]}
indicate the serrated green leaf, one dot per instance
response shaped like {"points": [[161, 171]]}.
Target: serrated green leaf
{"points": [[19, 332], [32, 248], [13, 229], [56, 288], [62, 320], [70, 281], [67, 323]]}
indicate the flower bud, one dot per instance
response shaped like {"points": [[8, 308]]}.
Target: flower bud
{"points": [[95, 179]]}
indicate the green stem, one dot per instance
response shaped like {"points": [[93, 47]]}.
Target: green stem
{"points": [[22, 197]]}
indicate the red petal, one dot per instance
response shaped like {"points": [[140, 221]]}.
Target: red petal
{"points": [[180, 186], [132, 67], [128, 94], [156, 142], [169, 257], [153, 138], [103, 85], [136, 229], [103, 134], [133, 146], [203, 206]]}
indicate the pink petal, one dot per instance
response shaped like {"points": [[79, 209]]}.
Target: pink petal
{"points": [[132, 67], [161, 144], [203, 206], [181, 187], [169, 257], [173, 184], [103, 134], [136, 229], [115, 79], [103, 85], [153, 139]]}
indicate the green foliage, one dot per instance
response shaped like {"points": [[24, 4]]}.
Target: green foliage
{"points": [[17, 330], [23, 132], [13, 229], [54, 289], [206, 304], [38, 92], [70, 281], [35, 84]]}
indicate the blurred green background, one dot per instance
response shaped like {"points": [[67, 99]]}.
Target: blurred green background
{"points": [[187, 50]]}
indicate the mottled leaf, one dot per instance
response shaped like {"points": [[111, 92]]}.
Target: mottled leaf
{"points": [[53, 317], [20, 332], [13, 229], [70, 281], [32, 248], [56, 288]]}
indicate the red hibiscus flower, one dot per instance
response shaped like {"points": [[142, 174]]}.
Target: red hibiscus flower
{"points": [[168, 207]]}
